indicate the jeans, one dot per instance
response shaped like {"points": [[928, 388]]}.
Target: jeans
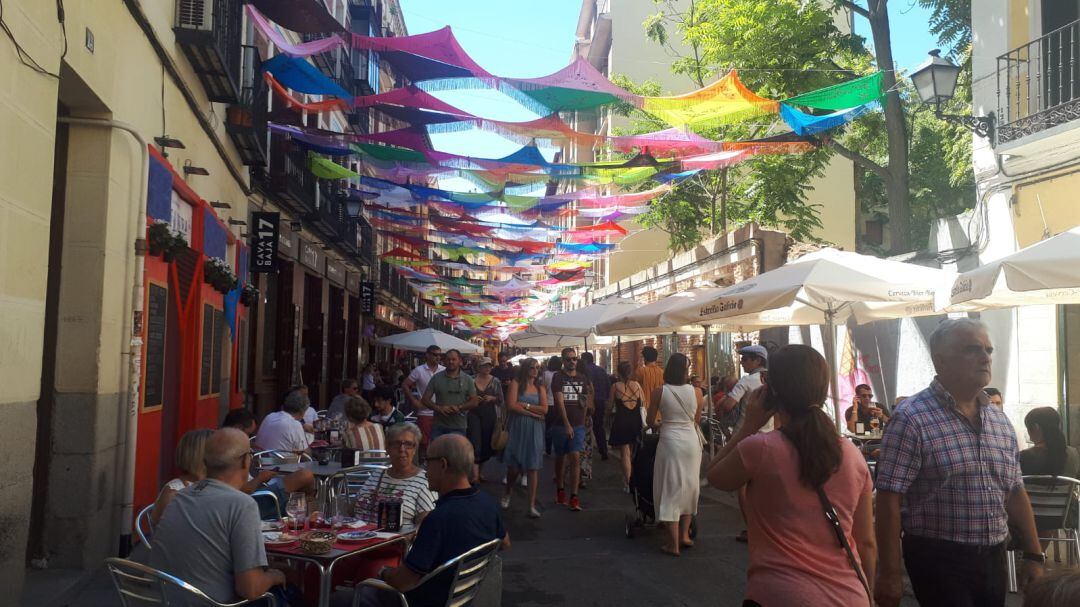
{"points": [[949, 574]]}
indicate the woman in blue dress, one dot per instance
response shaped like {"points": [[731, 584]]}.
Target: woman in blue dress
{"points": [[526, 405]]}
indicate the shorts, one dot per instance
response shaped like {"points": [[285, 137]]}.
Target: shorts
{"points": [[437, 431], [425, 423], [276, 486], [561, 444]]}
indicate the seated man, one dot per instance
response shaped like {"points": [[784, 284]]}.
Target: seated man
{"points": [[284, 430], [384, 412], [464, 518], [864, 410], [301, 480], [211, 536]]}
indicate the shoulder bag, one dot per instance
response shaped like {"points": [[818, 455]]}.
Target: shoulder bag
{"points": [[689, 413], [501, 436], [834, 522]]}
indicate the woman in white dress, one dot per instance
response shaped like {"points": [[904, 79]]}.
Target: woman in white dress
{"points": [[677, 470]]}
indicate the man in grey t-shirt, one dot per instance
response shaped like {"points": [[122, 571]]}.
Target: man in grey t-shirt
{"points": [[211, 536]]}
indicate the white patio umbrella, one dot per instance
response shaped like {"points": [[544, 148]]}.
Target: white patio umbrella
{"points": [[582, 322], [1047, 272], [418, 341], [823, 288], [531, 339]]}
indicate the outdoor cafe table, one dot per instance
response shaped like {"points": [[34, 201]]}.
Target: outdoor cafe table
{"points": [[385, 549]]}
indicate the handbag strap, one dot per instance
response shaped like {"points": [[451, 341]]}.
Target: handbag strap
{"points": [[834, 522], [682, 403]]}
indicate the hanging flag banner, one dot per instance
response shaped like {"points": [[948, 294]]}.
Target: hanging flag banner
{"points": [[264, 241], [844, 95]]}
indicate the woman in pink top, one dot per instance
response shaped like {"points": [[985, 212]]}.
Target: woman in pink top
{"points": [[796, 557]]}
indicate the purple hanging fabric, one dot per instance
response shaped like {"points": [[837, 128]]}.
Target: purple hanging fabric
{"points": [[440, 46], [306, 49], [307, 17]]}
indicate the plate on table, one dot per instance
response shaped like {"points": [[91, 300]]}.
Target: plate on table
{"points": [[273, 525], [356, 536], [274, 538]]}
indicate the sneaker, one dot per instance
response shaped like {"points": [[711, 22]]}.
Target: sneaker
{"points": [[504, 501], [626, 488], [575, 505], [533, 512], [560, 497], [524, 482]]}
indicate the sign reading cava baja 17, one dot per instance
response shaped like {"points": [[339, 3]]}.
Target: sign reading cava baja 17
{"points": [[264, 242], [367, 298]]}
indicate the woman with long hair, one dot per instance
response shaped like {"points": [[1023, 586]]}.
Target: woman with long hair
{"points": [[1050, 455], [483, 419], [189, 461], [796, 556], [628, 398], [677, 469], [526, 406]]}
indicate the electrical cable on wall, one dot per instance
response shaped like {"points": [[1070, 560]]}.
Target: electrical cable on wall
{"points": [[24, 56]]}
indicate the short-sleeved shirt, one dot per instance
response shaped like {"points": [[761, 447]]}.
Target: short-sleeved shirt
{"points": [[208, 534], [461, 521], [1035, 461], [389, 419], [651, 378], [573, 396], [446, 390], [416, 497], [741, 392], [793, 550], [954, 477], [421, 376], [863, 418], [280, 431]]}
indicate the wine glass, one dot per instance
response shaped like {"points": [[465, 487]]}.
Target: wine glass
{"points": [[875, 424], [296, 508]]}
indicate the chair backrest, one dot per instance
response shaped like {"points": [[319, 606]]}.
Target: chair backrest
{"points": [[270, 497], [469, 570], [1053, 500], [270, 457], [140, 585], [144, 525]]}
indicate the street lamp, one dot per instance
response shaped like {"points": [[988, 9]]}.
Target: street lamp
{"points": [[935, 81]]}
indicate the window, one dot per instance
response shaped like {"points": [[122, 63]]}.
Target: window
{"points": [[213, 328]]}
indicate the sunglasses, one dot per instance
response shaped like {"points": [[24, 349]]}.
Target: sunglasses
{"points": [[573, 360]]}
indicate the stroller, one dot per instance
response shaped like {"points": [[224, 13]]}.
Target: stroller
{"points": [[643, 456]]}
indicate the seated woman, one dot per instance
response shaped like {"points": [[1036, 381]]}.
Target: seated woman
{"points": [[405, 480], [362, 434], [189, 460], [1050, 455]]}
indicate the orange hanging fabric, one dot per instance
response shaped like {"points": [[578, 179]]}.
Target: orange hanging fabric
{"points": [[326, 105]]}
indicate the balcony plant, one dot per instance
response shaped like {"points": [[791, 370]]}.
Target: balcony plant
{"points": [[219, 275], [162, 240], [249, 296]]}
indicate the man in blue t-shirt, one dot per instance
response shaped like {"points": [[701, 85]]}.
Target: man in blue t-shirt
{"points": [[463, 518]]}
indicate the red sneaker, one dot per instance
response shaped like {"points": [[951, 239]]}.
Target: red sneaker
{"points": [[560, 497], [575, 505]]}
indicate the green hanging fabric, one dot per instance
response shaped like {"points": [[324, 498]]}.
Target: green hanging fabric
{"points": [[383, 152], [844, 95], [324, 168]]}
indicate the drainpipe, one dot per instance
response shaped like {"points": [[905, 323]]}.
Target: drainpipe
{"points": [[131, 373]]}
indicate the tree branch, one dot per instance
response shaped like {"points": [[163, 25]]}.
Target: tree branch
{"points": [[855, 8], [859, 159]]}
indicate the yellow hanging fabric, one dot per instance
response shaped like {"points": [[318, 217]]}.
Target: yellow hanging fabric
{"points": [[725, 101]]}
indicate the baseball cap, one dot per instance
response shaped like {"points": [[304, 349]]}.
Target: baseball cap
{"points": [[758, 351], [484, 360]]}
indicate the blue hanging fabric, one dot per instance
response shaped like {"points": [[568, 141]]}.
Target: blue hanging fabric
{"points": [[230, 301], [807, 124], [675, 177], [299, 75], [159, 191]]}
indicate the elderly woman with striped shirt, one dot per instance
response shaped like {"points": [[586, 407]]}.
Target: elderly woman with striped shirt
{"points": [[405, 479]]}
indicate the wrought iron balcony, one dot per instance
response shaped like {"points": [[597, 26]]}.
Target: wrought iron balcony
{"points": [[1038, 84], [290, 178], [209, 34], [246, 122]]}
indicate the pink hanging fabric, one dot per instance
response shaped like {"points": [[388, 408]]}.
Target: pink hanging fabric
{"points": [[672, 141], [718, 160], [305, 49], [439, 45], [590, 233], [623, 199], [410, 96]]}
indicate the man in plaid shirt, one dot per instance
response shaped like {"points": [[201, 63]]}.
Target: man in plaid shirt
{"points": [[949, 477]]}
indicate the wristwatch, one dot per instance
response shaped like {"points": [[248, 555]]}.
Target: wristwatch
{"points": [[1035, 557]]}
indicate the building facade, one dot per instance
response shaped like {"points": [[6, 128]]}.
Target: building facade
{"points": [[137, 149]]}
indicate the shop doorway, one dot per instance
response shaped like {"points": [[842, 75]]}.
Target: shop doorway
{"points": [[311, 341], [335, 340]]}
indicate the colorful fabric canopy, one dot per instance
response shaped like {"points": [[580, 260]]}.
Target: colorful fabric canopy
{"points": [[283, 45], [324, 168], [425, 56], [326, 105], [299, 75], [844, 95], [718, 160], [806, 124], [300, 17], [725, 101], [577, 86]]}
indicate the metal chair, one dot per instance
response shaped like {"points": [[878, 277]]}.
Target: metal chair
{"points": [[271, 457], [469, 571], [269, 496], [144, 525], [1055, 500], [140, 585]]}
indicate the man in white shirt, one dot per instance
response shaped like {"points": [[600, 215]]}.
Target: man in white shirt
{"points": [[283, 430], [754, 360], [415, 385]]}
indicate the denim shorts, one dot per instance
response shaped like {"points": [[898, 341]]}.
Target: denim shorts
{"points": [[561, 444]]}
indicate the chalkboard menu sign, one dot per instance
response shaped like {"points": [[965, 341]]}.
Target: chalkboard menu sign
{"points": [[207, 362], [156, 321], [219, 334]]}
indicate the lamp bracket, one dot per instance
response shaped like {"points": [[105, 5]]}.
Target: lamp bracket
{"points": [[983, 126]]}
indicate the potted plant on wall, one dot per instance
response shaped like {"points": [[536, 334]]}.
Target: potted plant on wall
{"points": [[249, 296], [219, 275], [162, 240]]}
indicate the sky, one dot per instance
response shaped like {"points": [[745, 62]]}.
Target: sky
{"points": [[527, 38]]}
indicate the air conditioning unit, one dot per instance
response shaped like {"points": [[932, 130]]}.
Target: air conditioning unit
{"points": [[195, 14]]}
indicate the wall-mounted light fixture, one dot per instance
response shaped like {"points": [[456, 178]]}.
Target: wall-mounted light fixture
{"points": [[237, 222], [217, 204], [190, 169]]}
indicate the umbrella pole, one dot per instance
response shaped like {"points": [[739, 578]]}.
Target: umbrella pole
{"points": [[830, 351], [709, 405]]}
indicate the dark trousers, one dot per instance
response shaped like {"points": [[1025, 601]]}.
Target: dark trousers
{"points": [[955, 575], [598, 415]]}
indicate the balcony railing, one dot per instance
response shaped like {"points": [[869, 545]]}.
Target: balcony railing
{"points": [[290, 178], [1038, 84], [209, 33], [246, 122]]}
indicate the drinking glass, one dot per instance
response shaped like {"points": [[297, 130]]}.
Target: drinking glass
{"points": [[339, 509], [296, 508], [875, 425]]}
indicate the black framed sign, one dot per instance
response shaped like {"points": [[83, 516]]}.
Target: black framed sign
{"points": [[264, 241], [367, 298]]}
